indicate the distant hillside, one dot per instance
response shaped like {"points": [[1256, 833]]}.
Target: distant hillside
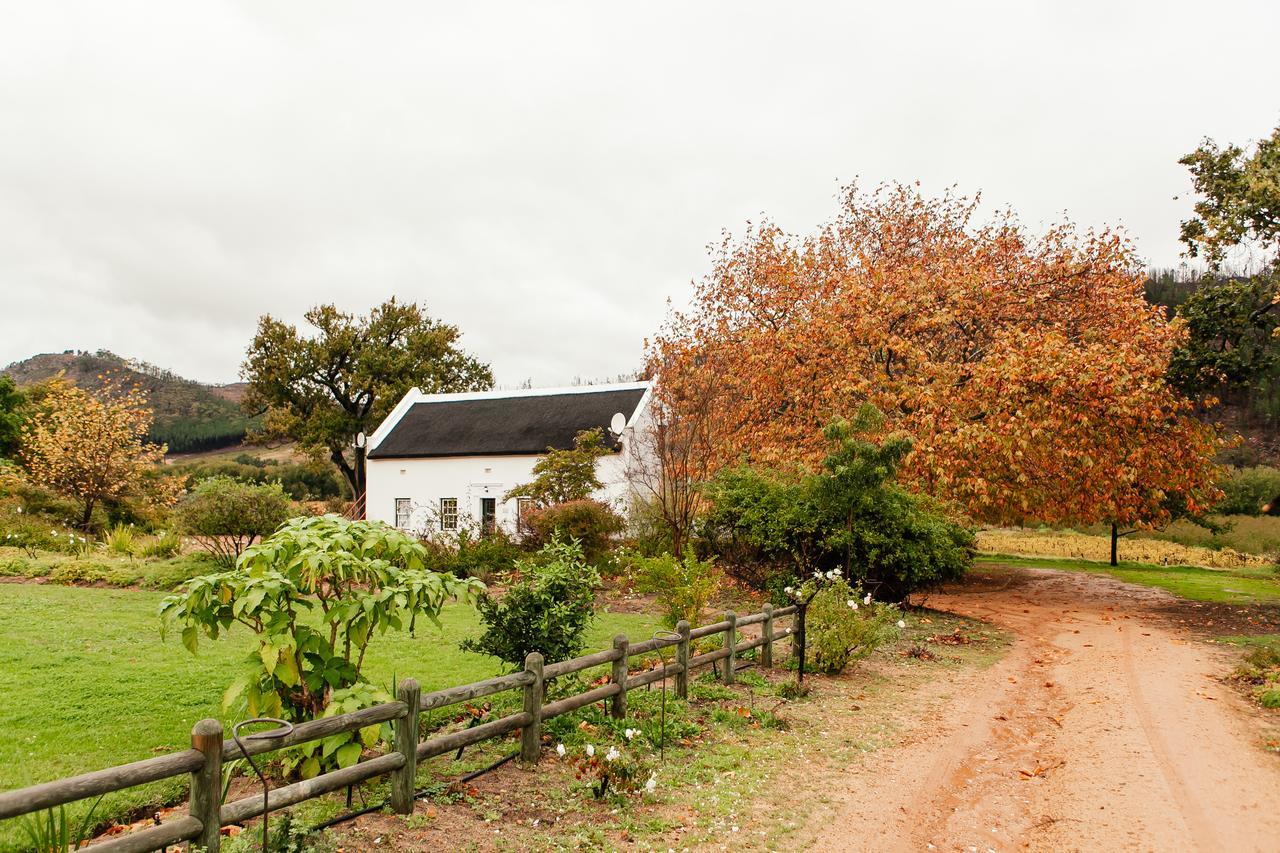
{"points": [[190, 416]]}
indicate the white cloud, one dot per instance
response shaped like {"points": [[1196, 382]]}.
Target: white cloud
{"points": [[547, 175]]}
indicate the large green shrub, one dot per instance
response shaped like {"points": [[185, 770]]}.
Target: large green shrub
{"points": [[591, 523], [315, 594], [843, 624], [1246, 490], [682, 585], [851, 515], [548, 610], [226, 515]]}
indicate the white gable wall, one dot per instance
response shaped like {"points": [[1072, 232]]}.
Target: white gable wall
{"points": [[425, 480]]}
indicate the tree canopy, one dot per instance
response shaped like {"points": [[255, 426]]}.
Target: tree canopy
{"points": [[1239, 198], [92, 447], [565, 475], [1028, 370], [12, 416], [323, 389]]}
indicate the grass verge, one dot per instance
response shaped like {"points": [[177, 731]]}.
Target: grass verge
{"points": [[1253, 585], [88, 683]]}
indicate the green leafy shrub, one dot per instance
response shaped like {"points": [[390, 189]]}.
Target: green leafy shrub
{"points": [[851, 516], [683, 586], [843, 625], [591, 523], [1246, 490], [547, 610], [226, 516], [84, 573], [314, 594]]}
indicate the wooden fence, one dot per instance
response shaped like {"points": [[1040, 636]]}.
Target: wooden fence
{"points": [[207, 814]]}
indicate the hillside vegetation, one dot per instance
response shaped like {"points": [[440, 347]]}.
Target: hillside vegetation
{"points": [[189, 416]]}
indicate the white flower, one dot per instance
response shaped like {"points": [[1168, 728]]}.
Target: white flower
{"points": [[19, 510], [630, 733], [788, 590], [591, 750], [867, 599], [560, 750], [612, 754], [853, 605], [788, 631], [53, 533], [901, 624], [651, 785]]}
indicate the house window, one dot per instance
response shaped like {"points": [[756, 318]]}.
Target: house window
{"points": [[523, 507], [404, 511], [488, 514], [448, 513]]}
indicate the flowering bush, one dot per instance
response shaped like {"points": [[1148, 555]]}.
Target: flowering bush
{"points": [[842, 623], [606, 768]]}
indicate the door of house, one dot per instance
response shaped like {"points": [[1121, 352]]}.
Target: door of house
{"points": [[488, 514]]}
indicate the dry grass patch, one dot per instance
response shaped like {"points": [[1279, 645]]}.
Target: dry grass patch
{"points": [[1081, 546]]}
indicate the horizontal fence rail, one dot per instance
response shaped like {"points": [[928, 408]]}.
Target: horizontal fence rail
{"points": [[203, 761]]}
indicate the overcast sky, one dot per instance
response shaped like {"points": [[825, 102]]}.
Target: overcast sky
{"points": [[547, 175]]}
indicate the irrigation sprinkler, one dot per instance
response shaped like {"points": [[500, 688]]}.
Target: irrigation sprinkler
{"points": [[283, 729], [662, 728]]}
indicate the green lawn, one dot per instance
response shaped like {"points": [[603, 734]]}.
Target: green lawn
{"points": [[87, 682], [1229, 586]]}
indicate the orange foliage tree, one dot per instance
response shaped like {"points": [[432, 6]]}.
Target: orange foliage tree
{"points": [[1030, 371], [92, 447]]}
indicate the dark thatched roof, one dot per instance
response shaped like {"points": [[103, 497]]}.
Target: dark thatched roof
{"points": [[500, 426]]}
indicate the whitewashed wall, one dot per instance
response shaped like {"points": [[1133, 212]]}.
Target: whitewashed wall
{"points": [[470, 478]]}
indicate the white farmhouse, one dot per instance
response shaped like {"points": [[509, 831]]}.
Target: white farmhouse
{"points": [[443, 460]]}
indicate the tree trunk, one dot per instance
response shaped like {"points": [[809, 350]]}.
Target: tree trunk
{"points": [[1115, 541], [349, 473], [88, 514]]}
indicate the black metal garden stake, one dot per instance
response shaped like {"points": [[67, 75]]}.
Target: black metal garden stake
{"points": [[283, 729]]}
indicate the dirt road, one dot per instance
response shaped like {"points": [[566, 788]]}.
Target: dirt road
{"points": [[1104, 728]]}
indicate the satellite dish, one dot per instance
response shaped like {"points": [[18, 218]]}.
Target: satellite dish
{"points": [[618, 423]]}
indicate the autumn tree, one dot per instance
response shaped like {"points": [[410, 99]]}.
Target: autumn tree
{"points": [[1028, 370], [322, 390], [91, 447]]}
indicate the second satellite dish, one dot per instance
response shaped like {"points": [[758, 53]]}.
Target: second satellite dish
{"points": [[618, 423]]}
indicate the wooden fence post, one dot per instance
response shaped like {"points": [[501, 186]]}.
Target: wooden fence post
{"points": [[618, 707], [531, 736], [766, 650], [731, 640], [682, 658], [406, 743], [206, 784]]}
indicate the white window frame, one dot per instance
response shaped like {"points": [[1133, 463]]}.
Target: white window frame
{"points": [[404, 513], [448, 515]]}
